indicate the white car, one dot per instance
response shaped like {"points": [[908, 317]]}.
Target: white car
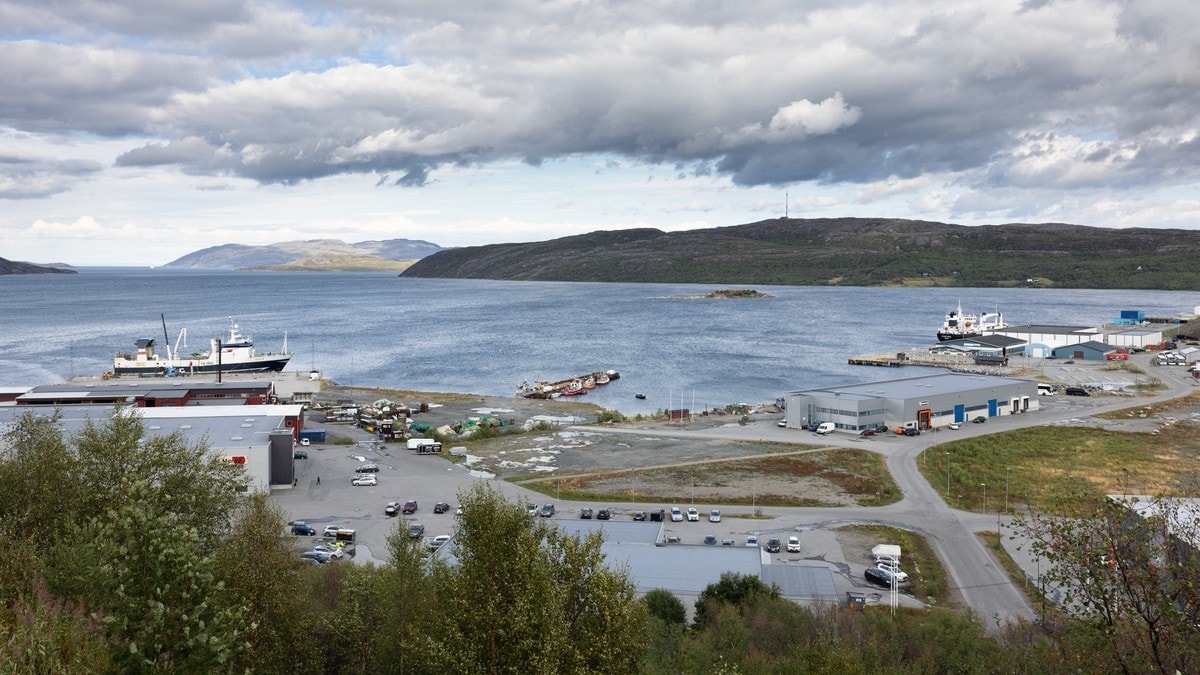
{"points": [[899, 575], [714, 516], [332, 530], [793, 545], [693, 515], [752, 541], [438, 541], [954, 426], [331, 551], [676, 514], [365, 480]]}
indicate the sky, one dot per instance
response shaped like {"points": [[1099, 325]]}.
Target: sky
{"points": [[135, 132]]}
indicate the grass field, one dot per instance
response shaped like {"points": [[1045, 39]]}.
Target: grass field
{"points": [[857, 475], [1036, 467]]}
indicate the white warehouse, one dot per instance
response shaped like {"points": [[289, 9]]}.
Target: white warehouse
{"points": [[926, 402]]}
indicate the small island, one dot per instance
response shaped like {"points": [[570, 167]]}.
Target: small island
{"points": [[726, 293]]}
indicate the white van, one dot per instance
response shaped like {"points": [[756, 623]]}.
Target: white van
{"points": [[826, 428]]}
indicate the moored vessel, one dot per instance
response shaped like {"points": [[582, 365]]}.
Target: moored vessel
{"points": [[234, 355], [959, 325]]}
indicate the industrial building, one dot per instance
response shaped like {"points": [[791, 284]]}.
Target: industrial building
{"points": [[924, 402], [261, 438], [1091, 350]]}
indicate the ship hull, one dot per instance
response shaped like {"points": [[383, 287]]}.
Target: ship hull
{"points": [[258, 365]]}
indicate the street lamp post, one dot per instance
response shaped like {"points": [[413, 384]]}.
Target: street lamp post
{"points": [[984, 486], [947, 475], [1006, 490]]}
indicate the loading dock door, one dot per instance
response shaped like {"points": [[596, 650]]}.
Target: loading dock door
{"points": [[924, 418], [993, 409], [960, 413]]}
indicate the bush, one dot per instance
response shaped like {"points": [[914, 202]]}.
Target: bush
{"points": [[665, 606]]}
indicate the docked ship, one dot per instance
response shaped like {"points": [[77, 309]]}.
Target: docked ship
{"points": [[233, 355], [958, 325]]}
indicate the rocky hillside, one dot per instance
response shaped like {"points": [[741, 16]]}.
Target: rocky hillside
{"points": [[846, 251], [16, 267], [310, 255]]}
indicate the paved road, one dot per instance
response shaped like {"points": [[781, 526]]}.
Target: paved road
{"points": [[983, 584]]}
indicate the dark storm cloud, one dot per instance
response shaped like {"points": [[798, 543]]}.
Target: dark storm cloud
{"points": [[997, 93]]}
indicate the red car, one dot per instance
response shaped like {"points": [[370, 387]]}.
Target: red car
{"points": [[410, 506]]}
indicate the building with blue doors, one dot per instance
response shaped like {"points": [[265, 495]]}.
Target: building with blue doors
{"points": [[925, 402]]}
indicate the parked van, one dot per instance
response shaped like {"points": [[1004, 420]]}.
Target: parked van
{"points": [[826, 428], [416, 443]]}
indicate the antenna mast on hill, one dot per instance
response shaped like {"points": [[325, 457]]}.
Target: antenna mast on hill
{"points": [[785, 204]]}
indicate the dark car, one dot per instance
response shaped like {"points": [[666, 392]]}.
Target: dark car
{"points": [[441, 507], [367, 468], [773, 545], [603, 514], [867, 432], [710, 539], [979, 420], [639, 515], [1076, 391], [585, 513], [410, 506], [912, 431], [303, 529], [300, 454], [547, 510], [416, 530], [657, 515], [876, 575]]}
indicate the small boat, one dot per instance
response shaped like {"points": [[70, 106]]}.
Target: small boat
{"points": [[640, 396], [589, 382], [574, 388], [602, 378]]}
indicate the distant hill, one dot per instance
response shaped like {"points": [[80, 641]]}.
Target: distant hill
{"points": [[314, 254], [846, 252], [17, 267]]}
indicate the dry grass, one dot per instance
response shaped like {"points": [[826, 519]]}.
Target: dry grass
{"points": [[825, 478]]}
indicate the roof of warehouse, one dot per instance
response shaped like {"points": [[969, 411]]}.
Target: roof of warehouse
{"points": [[941, 383], [1052, 330], [235, 428], [801, 582], [986, 340], [684, 569], [155, 386]]}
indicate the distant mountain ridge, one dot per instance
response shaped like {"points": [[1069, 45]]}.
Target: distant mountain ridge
{"points": [[18, 267], [312, 254], [847, 252]]}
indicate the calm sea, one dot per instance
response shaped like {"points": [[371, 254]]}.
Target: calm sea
{"points": [[488, 336]]}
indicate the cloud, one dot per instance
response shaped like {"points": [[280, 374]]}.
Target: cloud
{"points": [[951, 105], [28, 177]]}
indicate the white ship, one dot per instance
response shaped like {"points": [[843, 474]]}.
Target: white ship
{"points": [[234, 355], [958, 325]]}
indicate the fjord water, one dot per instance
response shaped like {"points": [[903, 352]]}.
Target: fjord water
{"points": [[472, 336]]}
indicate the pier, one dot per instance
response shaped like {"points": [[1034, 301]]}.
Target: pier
{"points": [[917, 356]]}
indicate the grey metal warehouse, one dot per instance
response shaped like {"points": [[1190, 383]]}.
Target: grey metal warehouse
{"points": [[926, 402]]}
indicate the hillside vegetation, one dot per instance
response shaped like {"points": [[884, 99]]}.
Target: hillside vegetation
{"points": [[847, 252], [16, 267]]}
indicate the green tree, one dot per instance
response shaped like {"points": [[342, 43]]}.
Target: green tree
{"points": [[1127, 574], [259, 570], [732, 589], [408, 645], [149, 576], [665, 606], [519, 597]]}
